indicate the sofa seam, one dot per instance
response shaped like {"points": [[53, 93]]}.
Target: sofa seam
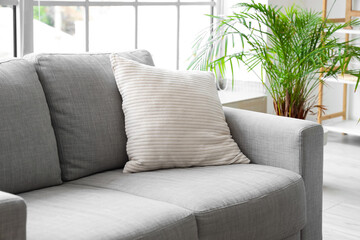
{"points": [[200, 214], [257, 198], [79, 184], [136, 195], [11, 60], [11, 201], [184, 220], [207, 211], [191, 214]]}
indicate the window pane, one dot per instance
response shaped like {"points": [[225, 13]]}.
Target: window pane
{"points": [[6, 30], [112, 29], [157, 33], [60, 29], [192, 22]]}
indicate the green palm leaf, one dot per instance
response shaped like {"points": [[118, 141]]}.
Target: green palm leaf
{"points": [[292, 45]]}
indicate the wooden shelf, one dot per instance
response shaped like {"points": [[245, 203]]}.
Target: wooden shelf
{"points": [[350, 127], [346, 79], [345, 126]]}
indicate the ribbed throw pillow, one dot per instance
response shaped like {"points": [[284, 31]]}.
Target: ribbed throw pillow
{"points": [[172, 118]]}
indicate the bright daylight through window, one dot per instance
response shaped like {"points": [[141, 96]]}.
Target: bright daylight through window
{"points": [[165, 28], [8, 29]]}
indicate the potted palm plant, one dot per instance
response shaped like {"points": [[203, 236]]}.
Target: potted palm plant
{"points": [[293, 46]]}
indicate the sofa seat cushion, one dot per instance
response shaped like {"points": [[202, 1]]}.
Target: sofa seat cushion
{"points": [[89, 213], [245, 201]]}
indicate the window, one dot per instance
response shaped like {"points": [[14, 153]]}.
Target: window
{"points": [[8, 28], [59, 29], [166, 28]]}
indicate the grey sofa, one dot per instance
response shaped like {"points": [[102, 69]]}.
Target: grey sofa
{"points": [[62, 147]]}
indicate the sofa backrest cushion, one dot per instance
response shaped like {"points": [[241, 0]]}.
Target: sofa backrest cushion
{"points": [[28, 152], [86, 111]]}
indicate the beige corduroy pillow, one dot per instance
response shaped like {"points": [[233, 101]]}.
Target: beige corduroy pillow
{"points": [[172, 118]]}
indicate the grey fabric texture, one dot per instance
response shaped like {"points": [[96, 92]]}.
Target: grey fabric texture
{"points": [[292, 144], [79, 212], [12, 217], [85, 108], [28, 152], [241, 201], [296, 236]]}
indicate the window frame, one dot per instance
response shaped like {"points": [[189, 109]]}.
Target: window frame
{"points": [[28, 29], [15, 39]]}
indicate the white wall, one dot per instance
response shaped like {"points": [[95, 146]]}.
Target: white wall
{"points": [[285, 3]]}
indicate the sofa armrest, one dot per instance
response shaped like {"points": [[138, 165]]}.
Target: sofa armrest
{"points": [[12, 217], [293, 144]]}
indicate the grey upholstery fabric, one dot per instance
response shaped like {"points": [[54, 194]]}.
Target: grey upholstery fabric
{"points": [[12, 217], [28, 152], [85, 108], [78, 212], [292, 144], [294, 237], [241, 201]]}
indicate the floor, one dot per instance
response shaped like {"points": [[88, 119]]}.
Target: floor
{"points": [[341, 210]]}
